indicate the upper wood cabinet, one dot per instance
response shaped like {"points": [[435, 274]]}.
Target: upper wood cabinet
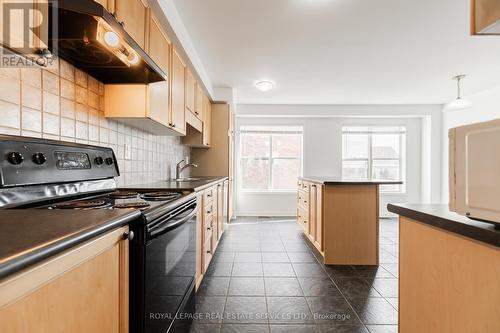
{"points": [[84, 289], [190, 91], [177, 86], [199, 100], [485, 18], [132, 14], [158, 44], [144, 106], [207, 121]]}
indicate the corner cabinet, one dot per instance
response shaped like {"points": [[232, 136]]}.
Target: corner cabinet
{"points": [[82, 290]]}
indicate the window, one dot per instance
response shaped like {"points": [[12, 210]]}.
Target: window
{"points": [[375, 153], [270, 157]]}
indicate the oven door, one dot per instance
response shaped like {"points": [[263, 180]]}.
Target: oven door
{"points": [[170, 268]]}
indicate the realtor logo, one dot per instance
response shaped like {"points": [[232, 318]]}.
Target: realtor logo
{"points": [[25, 33]]}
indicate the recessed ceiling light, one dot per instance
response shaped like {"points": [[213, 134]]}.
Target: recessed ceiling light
{"points": [[264, 85]]}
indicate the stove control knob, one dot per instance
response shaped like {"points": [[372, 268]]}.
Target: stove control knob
{"points": [[15, 158], [98, 160], [109, 161], [39, 158]]}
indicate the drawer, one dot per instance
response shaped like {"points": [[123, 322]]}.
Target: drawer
{"points": [[207, 253], [208, 212], [208, 231], [209, 195], [303, 199]]}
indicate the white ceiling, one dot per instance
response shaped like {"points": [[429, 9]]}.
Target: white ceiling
{"points": [[341, 51]]}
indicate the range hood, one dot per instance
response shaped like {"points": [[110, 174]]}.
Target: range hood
{"points": [[91, 39]]}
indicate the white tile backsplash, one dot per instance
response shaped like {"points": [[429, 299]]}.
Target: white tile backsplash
{"points": [[43, 103]]}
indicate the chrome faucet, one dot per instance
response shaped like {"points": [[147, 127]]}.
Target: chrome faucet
{"points": [[181, 167]]}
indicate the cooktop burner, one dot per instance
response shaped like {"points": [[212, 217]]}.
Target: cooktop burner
{"points": [[160, 196], [123, 195], [140, 205], [89, 204]]}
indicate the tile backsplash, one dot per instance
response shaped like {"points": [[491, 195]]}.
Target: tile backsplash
{"points": [[66, 104]]}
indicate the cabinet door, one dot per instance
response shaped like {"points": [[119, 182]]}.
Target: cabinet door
{"points": [[199, 239], [190, 91], [133, 15], [319, 218], [215, 220], [177, 112], [159, 45], [207, 121], [312, 212], [220, 210], [198, 109], [83, 290]]}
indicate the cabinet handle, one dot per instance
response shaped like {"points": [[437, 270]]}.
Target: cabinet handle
{"points": [[129, 235], [173, 125], [209, 251], [305, 201], [209, 228], [209, 195], [122, 23], [196, 112], [305, 221]]}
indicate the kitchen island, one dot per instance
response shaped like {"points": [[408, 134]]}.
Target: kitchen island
{"points": [[449, 271], [340, 217]]}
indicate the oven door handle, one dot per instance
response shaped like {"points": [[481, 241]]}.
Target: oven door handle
{"points": [[158, 231]]}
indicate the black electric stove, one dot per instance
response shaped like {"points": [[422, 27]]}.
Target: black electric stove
{"points": [[55, 175]]}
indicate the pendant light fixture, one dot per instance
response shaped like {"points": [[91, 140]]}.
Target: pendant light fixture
{"points": [[459, 103]]}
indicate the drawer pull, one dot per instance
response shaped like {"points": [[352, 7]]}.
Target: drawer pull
{"points": [[209, 252], [209, 212], [209, 195], [209, 228]]}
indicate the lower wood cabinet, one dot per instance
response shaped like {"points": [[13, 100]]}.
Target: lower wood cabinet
{"points": [[341, 221], [309, 212], [82, 290], [210, 227]]}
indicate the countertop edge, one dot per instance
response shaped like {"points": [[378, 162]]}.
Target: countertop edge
{"points": [[455, 226], [326, 181], [29, 259]]}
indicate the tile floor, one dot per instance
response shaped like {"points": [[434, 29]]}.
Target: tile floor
{"points": [[265, 278]]}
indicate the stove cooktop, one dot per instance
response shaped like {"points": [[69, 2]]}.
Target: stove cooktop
{"points": [[142, 200]]}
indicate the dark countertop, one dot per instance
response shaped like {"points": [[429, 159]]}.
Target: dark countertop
{"points": [[191, 185], [28, 236], [346, 181], [439, 216]]}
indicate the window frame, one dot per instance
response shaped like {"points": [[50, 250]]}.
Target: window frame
{"points": [[270, 157], [369, 159]]}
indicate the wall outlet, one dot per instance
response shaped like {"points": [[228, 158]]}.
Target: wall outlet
{"points": [[128, 152]]}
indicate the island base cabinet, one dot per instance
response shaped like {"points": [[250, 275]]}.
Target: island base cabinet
{"points": [[83, 290], [447, 283]]}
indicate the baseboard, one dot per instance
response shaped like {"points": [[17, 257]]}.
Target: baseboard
{"points": [[270, 214]]}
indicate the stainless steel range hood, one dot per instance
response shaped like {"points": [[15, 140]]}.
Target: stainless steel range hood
{"points": [[92, 39]]}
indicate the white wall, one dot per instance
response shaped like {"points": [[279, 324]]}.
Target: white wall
{"points": [[485, 106], [323, 148]]}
